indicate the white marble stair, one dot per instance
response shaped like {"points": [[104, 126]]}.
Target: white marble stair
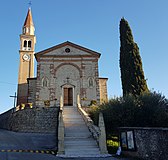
{"points": [[78, 139]]}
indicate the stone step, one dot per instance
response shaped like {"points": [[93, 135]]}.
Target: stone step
{"points": [[81, 130], [73, 120], [81, 140], [82, 151], [72, 135], [78, 124], [82, 147], [73, 123], [76, 131], [75, 127], [72, 116], [88, 156], [74, 139], [70, 110], [78, 139]]}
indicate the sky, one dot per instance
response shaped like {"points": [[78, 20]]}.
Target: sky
{"points": [[93, 24]]}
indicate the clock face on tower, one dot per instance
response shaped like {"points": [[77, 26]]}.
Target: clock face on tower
{"points": [[26, 57]]}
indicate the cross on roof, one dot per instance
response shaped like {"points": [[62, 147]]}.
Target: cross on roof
{"points": [[30, 3], [14, 97]]}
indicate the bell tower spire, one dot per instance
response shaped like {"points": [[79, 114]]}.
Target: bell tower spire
{"points": [[26, 67], [28, 27]]}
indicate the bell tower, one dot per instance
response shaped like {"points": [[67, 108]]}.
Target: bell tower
{"points": [[26, 66]]}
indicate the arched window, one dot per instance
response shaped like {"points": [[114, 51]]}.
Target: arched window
{"points": [[45, 82], [29, 44], [90, 82], [25, 43]]}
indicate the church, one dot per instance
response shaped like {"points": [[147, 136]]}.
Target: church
{"points": [[65, 70], [51, 103]]}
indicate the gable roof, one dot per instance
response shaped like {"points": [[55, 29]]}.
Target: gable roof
{"points": [[42, 53]]}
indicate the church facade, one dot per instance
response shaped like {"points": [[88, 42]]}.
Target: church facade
{"points": [[65, 70]]}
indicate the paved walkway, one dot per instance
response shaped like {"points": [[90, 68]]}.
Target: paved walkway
{"points": [[26, 141], [32, 141], [34, 156]]}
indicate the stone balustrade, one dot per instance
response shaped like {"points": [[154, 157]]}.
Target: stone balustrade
{"points": [[98, 132], [93, 129], [61, 129]]}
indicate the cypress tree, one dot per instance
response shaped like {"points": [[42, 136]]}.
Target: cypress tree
{"points": [[132, 75]]}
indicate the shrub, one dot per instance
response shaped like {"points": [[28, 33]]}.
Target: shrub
{"points": [[147, 110], [93, 102], [153, 111]]}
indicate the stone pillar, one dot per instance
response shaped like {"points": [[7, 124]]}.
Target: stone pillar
{"points": [[78, 99], [61, 149], [102, 136], [61, 102]]}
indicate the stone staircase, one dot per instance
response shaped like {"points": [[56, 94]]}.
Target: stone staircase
{"points": [[78, 140]]}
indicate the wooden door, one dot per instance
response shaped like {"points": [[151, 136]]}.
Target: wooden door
{"points": [[68, 96], [65, 96]]}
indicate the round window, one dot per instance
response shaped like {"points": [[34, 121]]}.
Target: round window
{"points": [[67, 50]]}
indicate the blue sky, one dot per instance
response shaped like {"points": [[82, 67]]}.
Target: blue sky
{"points": [[93, 24]]}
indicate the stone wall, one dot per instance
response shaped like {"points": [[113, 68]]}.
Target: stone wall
{"points": [[150, 143], [36, 120], [5, 119]]}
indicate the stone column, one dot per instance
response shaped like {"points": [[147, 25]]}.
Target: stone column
{"points": [[102, 136], [61, 102], [61, 149], [78, 99]]}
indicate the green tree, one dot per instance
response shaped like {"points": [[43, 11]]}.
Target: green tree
{"points": [[132, 75]]}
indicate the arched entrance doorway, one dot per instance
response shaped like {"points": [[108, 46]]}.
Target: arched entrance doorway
{"points": [[67, 83]]}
